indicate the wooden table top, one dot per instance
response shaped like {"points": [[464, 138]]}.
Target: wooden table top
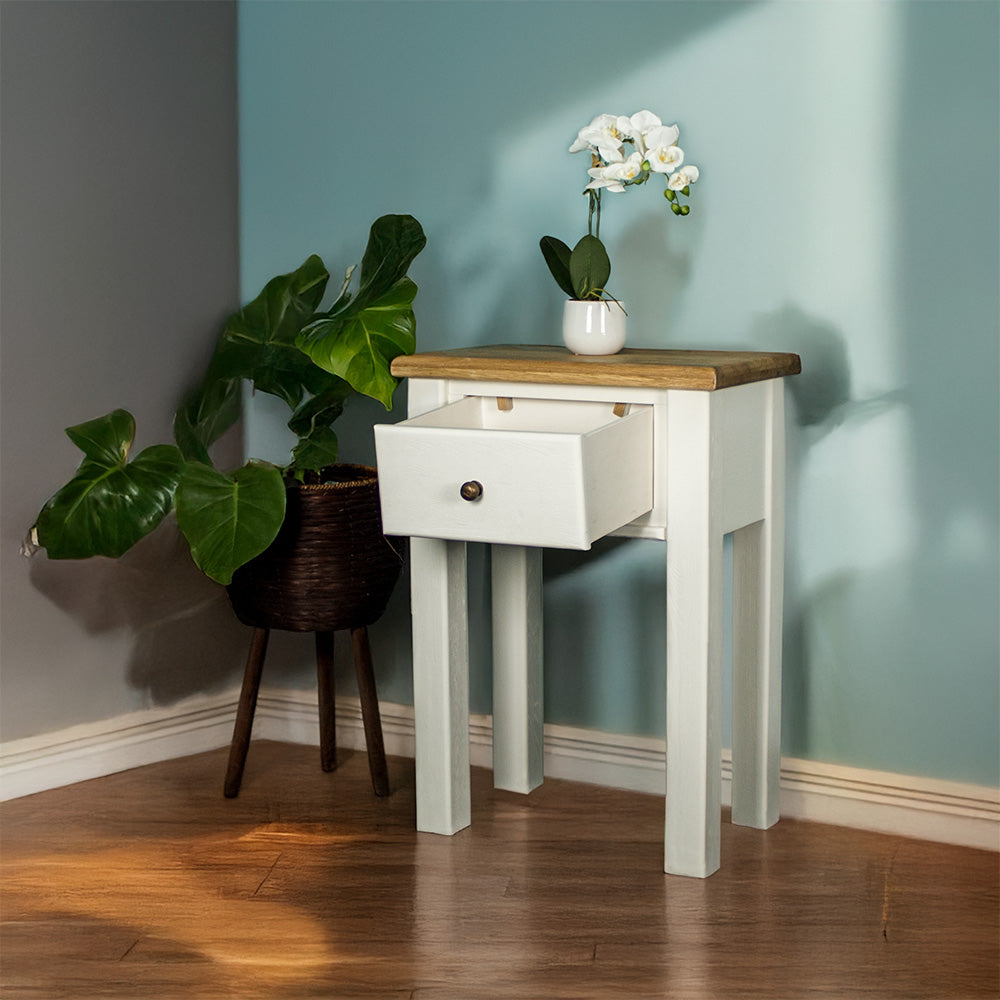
{"points": [[660, 369]]}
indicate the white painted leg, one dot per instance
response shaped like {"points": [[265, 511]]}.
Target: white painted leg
{"points": [[758, 563], [440, 683], [756, 683], [517, 668], [694, 644]]}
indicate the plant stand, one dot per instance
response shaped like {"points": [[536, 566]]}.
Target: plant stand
{"points": [[330, 568], [327, 708]]}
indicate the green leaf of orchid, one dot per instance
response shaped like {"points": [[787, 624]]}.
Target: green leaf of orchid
{"points": [[110, 503], [557, 255], [589, 268], [229, 519]]}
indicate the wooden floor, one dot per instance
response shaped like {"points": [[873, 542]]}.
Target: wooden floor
{"points": [[150, 884]]}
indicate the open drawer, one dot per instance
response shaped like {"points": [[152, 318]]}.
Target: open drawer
{"points": [[543, 472]]}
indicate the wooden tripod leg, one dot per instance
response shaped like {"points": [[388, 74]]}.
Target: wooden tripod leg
{"points": [[245, 712], [327, 701], [369, 710]]}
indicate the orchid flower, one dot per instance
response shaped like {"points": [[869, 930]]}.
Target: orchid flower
{"points": [[602, 180], [665, 159], [638, 126], [625, 151], [662, 151], [605, 176], [682, 178], [601, 136], [626, 170]]}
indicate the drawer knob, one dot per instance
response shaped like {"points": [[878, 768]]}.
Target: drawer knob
{"points": [[471, 490]]}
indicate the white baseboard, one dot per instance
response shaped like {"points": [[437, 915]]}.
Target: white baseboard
{"points": [[95, 749], [926, 808]]}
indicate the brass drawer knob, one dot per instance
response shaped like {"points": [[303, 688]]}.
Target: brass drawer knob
{"points": [[471, 490]]}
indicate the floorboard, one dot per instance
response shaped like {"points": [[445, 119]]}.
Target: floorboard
{"points": [[151, 884]]}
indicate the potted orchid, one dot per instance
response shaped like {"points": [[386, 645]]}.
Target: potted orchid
{"points": [[625, 151]]}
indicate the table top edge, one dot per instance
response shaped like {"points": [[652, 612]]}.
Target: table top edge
{"points": [[694, 369]]}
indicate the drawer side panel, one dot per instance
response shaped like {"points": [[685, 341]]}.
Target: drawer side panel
{"points": [[618, 472]]}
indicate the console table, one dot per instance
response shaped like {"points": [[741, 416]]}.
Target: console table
{"points": [[529, 446]]}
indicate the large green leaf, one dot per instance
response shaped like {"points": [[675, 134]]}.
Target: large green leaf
{"points": [[360, 344], [258, 342], [110, 503], [557, 255], [316, 450], [393, 242], [229, 519], [311, 422], [205, 415], [589, 268]]}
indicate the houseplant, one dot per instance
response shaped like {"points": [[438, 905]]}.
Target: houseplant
{"points": [[281, 344], [625, 151], [299, 546]]}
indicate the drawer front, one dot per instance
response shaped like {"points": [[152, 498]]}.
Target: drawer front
{"points": [[561, 488]]}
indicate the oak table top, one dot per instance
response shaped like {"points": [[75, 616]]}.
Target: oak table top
{"points": [[638, 367]]}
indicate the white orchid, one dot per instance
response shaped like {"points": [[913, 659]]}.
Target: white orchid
{"points": [[662, 152], [626, 151], [682, 178], [665, 159], [603, 177], [616, 174], [628, 169], [662, 135], [638, 126], [600, 136]]}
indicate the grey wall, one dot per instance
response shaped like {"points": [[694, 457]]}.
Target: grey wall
{"points": [[119, 260]]}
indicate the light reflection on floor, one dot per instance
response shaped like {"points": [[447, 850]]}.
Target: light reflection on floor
{"points": [[195, 899]]}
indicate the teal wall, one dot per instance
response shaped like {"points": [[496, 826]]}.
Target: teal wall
{"points": [[847, 210]]}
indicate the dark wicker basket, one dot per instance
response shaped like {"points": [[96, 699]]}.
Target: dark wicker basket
{"points": [[330, 566]]}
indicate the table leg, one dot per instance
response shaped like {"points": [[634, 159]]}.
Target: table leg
{"points": [[758, 563], [694, 644], [518, 743], [440, 683]]}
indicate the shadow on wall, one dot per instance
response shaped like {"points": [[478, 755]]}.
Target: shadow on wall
{"points": [[821, 394], [187, 639], [654, 264], [820, 404], [604, 621]]}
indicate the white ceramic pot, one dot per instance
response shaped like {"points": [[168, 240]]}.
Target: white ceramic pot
{"points": [[594, 327]]}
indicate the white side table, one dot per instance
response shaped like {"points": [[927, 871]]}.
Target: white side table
{"points": [[525, 447]]}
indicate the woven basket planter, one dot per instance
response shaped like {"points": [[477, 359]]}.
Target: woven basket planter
{"points": [[330, 567]]}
